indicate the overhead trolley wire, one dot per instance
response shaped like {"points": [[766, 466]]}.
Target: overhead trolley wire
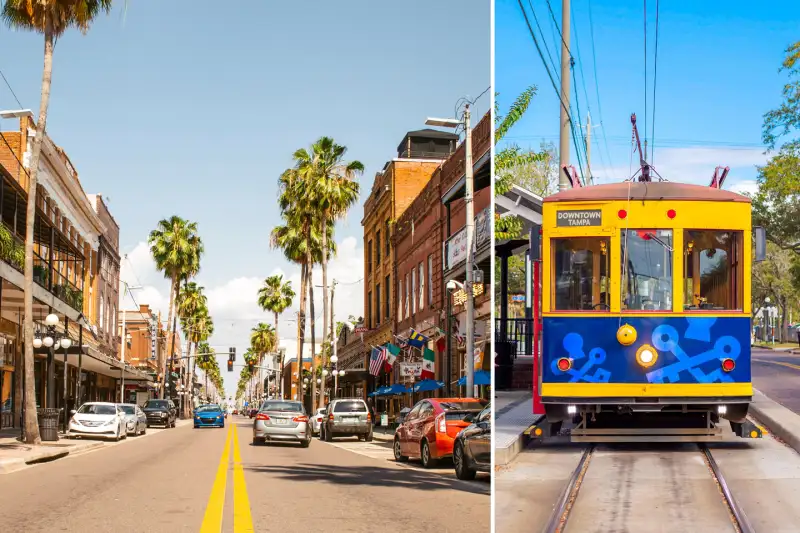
{"points": [[655, 83], [555, 88], [547, 48]]}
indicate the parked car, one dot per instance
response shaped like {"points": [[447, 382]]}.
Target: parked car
{"points": [[282, 420], [253, 412], [346, 417], [472, 450], [209, 415], [316, 420], [160, 413], [98, 419], [236, 411], [135, 419], [431, 427]]}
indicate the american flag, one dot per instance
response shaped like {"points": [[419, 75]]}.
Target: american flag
{"points": [[376, 360]]}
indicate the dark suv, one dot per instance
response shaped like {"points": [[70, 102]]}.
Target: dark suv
{"points": [[160, 413]]}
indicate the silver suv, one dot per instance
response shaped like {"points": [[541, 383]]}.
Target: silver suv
{"points": [[346, 418]]}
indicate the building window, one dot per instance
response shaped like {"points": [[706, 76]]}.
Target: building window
{"points": [[100, 318], [387, 297], [413, 290], [378, 248], [399, 299], [408, 286], [646, 270], [712, 270], [421, 287], [378, 303], [369, 257], [580, 274], [430, 280], [388, 244], [369, 310]]}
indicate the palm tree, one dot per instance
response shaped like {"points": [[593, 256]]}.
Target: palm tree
{"points": [[263, 341], [51, 18], [191, 304], [333, 190], [276, 296], [176, 248]]}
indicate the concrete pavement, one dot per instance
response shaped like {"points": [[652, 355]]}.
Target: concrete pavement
{"points": [[175, 480]]}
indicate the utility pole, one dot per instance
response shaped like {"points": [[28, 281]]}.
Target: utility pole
{"points": [[122, 353], [470, 234], [564, 134]]}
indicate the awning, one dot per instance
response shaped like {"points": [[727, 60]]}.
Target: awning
{"points": [[427, 385], [481, 377]]}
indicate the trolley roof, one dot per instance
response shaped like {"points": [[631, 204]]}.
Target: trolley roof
{"points": [[656, 190]]}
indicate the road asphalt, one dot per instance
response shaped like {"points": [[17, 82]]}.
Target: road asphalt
{"points": [[215, 480], [777, 374]]}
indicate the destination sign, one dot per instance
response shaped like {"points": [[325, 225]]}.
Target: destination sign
{"points": [[583, 217]]}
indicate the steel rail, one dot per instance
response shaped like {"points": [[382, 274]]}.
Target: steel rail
{"points": [[739, 517], [558, 520]]}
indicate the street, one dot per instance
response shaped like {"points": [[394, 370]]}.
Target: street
{"points": [[188, 480], [777, 374]]}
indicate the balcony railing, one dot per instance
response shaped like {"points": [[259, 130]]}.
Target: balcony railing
{"points": [[54, 281], [517, 333], [12, 248]]}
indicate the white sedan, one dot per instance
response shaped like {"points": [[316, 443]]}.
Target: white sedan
{"points": [[98, 419], [316, 420]]}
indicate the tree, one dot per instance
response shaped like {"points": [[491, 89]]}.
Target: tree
{"points": [[782, 121], [776, 205], [511, 160], [777, 277], [276, 296], [176, 248], [329, 184], [192, 307], [51, 18], [263, 340]]}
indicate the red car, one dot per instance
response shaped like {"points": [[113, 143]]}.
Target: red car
{"points": [[253, 413], [429, 430]]}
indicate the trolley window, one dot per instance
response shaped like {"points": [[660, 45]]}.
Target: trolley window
{"points": [[580, 274], [712, 270], [646, 270]]}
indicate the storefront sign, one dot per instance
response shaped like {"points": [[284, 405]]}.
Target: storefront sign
{"points": [[460, 296], [456, 246], [360, 329], [577, 218], [408, 370]]}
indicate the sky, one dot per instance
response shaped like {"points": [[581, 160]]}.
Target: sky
{"points": [[717, 74], [182, 108]]}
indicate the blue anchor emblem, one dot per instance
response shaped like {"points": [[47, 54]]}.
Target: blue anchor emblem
{"points": [[573, 344], [665, 339]]}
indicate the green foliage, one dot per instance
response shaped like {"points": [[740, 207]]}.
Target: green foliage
{"points": [[776, 205], [786, 118], [509, 160], [54, 16], [176, 248], [778, 277]]}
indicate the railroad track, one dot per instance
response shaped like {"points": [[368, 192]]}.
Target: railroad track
{"points": [[560, 516]]}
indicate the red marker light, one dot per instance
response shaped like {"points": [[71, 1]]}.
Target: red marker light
{"points": [[564, 364], [622, 213], [728, 365], [671, 213]]}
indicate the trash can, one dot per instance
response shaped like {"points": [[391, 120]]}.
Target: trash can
{"points": [[48, 423]]}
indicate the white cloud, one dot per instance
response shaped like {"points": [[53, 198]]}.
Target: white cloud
{"points": [[696, 165], [233, 304]]}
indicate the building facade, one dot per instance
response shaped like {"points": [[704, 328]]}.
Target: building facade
{"points": [[66, 243], [394, 189], [104, 293]]}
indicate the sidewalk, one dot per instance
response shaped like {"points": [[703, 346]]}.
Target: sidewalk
{"points": [[16, 455], [513, 414]]}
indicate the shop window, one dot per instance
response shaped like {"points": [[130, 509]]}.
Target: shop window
{"points": [[712, 270], [580, 274], [378, 303], [646, 258], [387, 293]]}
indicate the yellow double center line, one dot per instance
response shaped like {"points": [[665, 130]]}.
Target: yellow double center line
{"points": [[787, 365], [242, 519]]}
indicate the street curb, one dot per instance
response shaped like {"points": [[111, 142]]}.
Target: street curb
{"points": [[46, 455], [782, 422], [504, 455]]}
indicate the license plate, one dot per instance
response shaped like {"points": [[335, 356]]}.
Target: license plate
{"points": [[281, 421], [351, 419]]}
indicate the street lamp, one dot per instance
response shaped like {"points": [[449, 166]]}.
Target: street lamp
{"points": [[469, 234], [16, 113]]}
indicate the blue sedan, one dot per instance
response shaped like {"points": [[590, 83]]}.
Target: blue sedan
{"points": [[210, 415]]}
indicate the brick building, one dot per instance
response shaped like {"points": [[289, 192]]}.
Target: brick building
{"points": [[104, 296]]}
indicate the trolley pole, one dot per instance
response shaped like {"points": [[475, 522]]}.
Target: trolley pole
{"points": [[470, 234], [563, 141]]}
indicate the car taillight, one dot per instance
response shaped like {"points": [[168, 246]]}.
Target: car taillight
{"points": [[369, 418], [319, 419], [441, 424], [262, 416], [302, 418], [728, 365], [330, 417]]}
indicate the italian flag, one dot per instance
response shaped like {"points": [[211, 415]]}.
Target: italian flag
{"points": [[428, 364]]}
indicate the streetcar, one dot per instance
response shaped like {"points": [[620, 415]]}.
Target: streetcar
{"points": [[645, 312]]}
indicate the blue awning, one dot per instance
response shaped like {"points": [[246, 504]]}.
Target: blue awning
{"points": [[427, 385], [481, 377]]}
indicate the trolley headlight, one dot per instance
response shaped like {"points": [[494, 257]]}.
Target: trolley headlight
{"points": [[571, 409], [646, 356]]}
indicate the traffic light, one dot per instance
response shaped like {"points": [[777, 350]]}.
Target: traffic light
{"points": [[251, 366], [230, 365], [232, 354]]}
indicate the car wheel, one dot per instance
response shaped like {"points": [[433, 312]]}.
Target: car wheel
{"points": [[305, 443], [148, 424], [257, 441], [328, 437], [425, 455], [368, 437], [398, 454], [117, 437], [460, 461]]}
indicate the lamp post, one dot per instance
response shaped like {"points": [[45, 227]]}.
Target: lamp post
{"points": [[52, 340], [469, 226]]}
